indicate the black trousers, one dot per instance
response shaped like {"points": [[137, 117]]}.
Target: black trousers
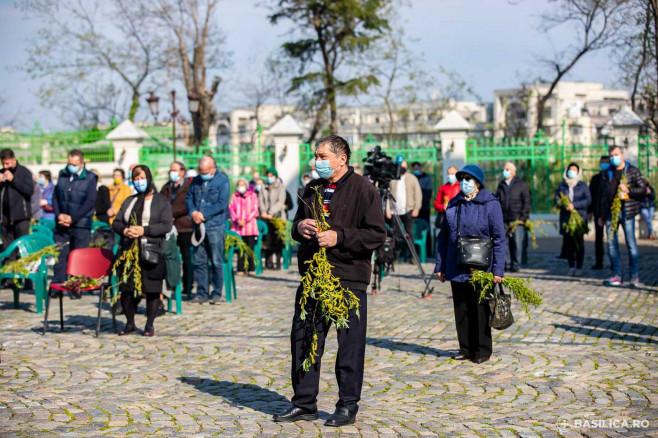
{"points": [[12, 231], [76, 238], [598, 242], [472, 320], [349, 361], [272, 246], [575, 250], [129, 303], [251, 243], [185, 243]]}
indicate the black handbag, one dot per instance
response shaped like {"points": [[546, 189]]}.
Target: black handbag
{"points": [[150, 252], [473, 251], [501, 309]]}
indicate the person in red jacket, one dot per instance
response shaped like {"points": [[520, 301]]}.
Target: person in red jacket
{"points": [[446, 192]]}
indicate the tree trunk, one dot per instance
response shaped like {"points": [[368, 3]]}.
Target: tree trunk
{"points": [[317, 124], [134, 105]]}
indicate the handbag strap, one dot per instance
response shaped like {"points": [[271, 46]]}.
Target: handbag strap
{"points": [[500, 289]]}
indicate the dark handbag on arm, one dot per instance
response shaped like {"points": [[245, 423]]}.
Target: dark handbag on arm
{"points": [[501, 309], [150, 252], [473, 251]]}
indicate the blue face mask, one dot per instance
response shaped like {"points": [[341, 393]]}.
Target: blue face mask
{"points": [[467, 186], [271, 179], [417, 172], [452, 179], [206, 176], [323, 168], [571, 174], [141, 185], [604, 166], [174, 176], [41, 181], [615, 160], [73, 169], [506, 174]]}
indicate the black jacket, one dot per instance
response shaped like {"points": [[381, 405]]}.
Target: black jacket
{"points": [[581, 201], [76, 197], [103, 203], [160, 223], [595, 192], [608, 189], [514, 200], [19, 192], [355, 213], [182, 220]]}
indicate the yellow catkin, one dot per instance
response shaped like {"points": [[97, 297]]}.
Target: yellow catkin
{"points": [[128, 262], [615, 207], [319, 284]]}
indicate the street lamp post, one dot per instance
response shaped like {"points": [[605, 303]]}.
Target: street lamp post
{"points": [[153, 102], [194, 100]]}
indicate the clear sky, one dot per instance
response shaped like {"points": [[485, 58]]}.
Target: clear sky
{"points": [[493, 44]]}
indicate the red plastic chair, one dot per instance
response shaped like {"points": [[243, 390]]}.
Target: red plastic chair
{"points": [[92, 263]]}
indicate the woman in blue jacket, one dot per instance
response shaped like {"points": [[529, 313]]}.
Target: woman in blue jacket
{"points": [[579, 199], [480, 215]]}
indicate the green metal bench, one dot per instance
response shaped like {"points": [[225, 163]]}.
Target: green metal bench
{"points": [[27, 245]]}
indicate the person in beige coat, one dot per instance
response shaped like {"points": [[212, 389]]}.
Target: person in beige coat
{"points": [[408, 202], [272, 203]]}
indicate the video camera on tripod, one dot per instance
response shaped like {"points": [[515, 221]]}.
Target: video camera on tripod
{"points": [[381, 168]]}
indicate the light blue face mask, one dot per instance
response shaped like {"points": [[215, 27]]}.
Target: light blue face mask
{"points": [[604, 166], [206, 176], [417, 172], [452, 179], [323, 167], [174, 176], [141, 185], [615, 160], [467, 186], [507, 174], [73, 169], [41, 181], [571, 174], [271, 179]]}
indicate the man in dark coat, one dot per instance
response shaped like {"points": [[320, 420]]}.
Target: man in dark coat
{"points": [[514, 197], [74, 202], [16, 189], [594, 209], [353, 208], [176, 191], [631, 192]]}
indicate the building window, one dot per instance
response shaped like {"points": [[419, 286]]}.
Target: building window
{"points": [[575, 130]]}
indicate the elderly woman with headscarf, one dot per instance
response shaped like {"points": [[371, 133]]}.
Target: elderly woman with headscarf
{"points": [[579, 199], [145, 216], [473, 212], [244, 213]]}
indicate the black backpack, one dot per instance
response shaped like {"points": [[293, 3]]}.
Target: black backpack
{"points": [[386, 253]]}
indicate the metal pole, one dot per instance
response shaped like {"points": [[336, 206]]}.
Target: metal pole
{"points": [[174, 115]]}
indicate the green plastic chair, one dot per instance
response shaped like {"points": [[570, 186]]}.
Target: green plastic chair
{"points": [[286, 254], [258, 248], [421, 230], [230, 289], [27, 245], [97, 225], [43, 231], [48, 223]]}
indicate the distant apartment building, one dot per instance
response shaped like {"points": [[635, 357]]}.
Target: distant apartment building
{"points": [[584, 107]]}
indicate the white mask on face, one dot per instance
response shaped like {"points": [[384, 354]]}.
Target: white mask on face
{"points": [[315, 175], [242, 189]]}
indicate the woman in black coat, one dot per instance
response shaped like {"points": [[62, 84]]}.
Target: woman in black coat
{"points": [[579, 199], [152, 213]]}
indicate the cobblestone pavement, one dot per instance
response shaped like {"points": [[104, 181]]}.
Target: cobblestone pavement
{"points": [[584, 363]]}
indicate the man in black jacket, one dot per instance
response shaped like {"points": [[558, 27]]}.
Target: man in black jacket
{"points": [[74, 201], [622, 180], [594, 209], [353, 208], [16, 189], [514, 197]]}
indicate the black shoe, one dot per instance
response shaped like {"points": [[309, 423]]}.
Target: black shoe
{"points": [[341, 417], [161, 309], [596, 267], [128, 329], [198, 300], [480, 359], [148, 331], [461, 356], [295, 414], [215, 300]]}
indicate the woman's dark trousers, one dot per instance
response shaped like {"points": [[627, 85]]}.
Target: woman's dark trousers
{"points": [[472, 320]]}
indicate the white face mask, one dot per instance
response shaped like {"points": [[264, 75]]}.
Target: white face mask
{"points": [[315, 175], [242, 189]]}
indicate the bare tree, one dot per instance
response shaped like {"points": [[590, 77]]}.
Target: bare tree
{"points": [[197, 42], [596, 23], [83, 40]]}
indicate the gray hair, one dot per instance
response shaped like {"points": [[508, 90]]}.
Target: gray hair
{"points": [[512, 165], [336, 144]]}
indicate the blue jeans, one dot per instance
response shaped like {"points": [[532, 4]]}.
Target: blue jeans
{"points": [[514, 247], [210, 250], [613, 247], [647, 214]]}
